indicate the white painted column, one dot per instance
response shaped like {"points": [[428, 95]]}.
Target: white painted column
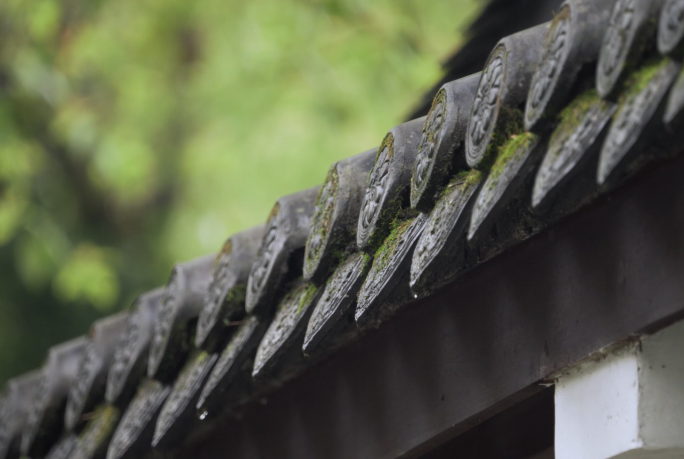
{"points": [[627, 404]]}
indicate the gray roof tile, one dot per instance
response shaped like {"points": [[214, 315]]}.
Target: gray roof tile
{"points": [[224, 301], [179, 309]]}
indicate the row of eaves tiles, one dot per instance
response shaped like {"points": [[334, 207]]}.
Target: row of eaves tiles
{"points": [[562, 113]]}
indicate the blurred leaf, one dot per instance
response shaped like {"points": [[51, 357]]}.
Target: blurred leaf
{"points": [[12, 207], [88, 276], [75, 125], [126, 165], [35, 264], [19, 161], [44, 20]]}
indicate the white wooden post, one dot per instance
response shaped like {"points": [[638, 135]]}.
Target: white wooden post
{"points": [[628, 404]]}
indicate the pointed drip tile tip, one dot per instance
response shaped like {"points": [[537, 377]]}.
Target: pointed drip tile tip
{"points": [[639, 115], [178, 416], [388, 275], [280, 351], [573, 150], [64, 448], [513, 166], [440, 253], [94, 440], [180, 306], [133, 436], [224, 301], [225, 386], [337, 301]]}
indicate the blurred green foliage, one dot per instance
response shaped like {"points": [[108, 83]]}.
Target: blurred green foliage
{"points": [[137, 133]]}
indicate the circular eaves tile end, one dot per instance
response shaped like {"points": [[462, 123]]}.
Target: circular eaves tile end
{"points": [[430, 142], [551, 67], [671, 26], [616, 45], [186, 387], [164, 323], [123, 355], [485, 111], [78, 393], [376, 193], [321, 224], [263, 263], [222, 280]]}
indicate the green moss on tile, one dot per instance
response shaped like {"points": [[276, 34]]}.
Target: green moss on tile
{"points": [[512, 124], [474, 177], [178, 345], [506, 152], [639, 79], [306, 298], [390, 208], [291, 293], [440, 98], [385, 251], [237, 294], [201, 357], [455, 180], [323, 219], [233, 304], [572, 116], [100, 428]]}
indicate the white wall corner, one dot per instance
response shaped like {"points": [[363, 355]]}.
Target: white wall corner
{"points": [[626, 404]]}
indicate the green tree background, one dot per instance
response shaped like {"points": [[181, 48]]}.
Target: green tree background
{"points": [[135, 133]]}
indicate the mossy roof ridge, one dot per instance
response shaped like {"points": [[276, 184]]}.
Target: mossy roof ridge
{"points": [[470, 59]]}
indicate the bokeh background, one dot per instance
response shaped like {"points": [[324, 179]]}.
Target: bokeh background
{"points": [[136, 133]]}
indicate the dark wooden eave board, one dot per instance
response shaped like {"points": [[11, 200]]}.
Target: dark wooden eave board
{"points": [[454, 359]]}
